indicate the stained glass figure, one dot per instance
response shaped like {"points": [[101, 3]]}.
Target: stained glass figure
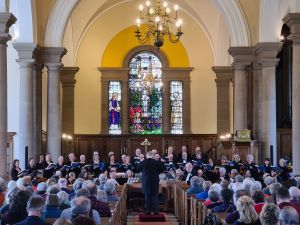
{"points": [[145, 94], [114, 108], [176, 89]]}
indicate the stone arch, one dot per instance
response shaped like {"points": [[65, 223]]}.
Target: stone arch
{"points": [[230, 9], [162, 57]]}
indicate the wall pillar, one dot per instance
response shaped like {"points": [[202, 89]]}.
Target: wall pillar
{"points": [[224, 75], [266, 56], [51, 58], [67, 79], [27, 57], [6, 20], [37, 109], [293, 21], [243, 57]]}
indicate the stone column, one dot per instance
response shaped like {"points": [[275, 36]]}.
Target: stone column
{"points": [[266, 56], [293, 21], [125, 103], [6, 20], [27, 54], [225, 75], [37, 109], [67, 79], [166, 113], [187, 106], [51, 58], [242, 56]]}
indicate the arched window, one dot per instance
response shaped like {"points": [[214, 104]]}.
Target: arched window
{"points": [[145, 96]]}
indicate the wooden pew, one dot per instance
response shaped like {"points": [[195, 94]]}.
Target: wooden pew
{"points": [[180, 202], [196, 206]]}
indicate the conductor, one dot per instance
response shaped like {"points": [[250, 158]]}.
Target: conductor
{"points": [[151, 169]]}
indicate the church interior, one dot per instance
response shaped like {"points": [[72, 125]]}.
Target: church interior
{"points": [[91, 90]]}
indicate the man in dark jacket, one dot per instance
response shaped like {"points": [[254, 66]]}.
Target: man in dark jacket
{"points": [[150, 182]]}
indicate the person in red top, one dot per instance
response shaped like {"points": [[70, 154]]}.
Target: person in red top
{"points": [[2, 191], [259, 200], [283, 199]]}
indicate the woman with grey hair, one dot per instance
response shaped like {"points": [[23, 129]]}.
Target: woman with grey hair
{"points": [[288, 216], [110, 190], [268, 180], [248, 216], [102, 196], [196, 185], [63, 200], [102, 180], [269, 214], [213, 199]]}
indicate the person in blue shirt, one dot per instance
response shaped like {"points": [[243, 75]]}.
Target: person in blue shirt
{"points": [[204, 194], [196, 185], [52, 207]]}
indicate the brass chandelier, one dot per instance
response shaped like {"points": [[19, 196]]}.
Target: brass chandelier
{"points": [[158, 20]]}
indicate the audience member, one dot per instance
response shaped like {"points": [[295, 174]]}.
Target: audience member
{"points": [[288, 216], [245, 207], [269, 214]]}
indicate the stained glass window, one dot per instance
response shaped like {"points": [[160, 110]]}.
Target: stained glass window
{"points": [[145, 94], [114, 107], [176, 107]]}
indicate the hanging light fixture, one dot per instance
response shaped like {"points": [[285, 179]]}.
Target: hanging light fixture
{"points": [[158, 21], [147, 79]]}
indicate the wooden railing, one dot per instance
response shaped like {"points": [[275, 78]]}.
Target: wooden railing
{"points": [[188, 209]]}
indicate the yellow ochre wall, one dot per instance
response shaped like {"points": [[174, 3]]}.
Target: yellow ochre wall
{"points": [[107, 41], [116, 50]]}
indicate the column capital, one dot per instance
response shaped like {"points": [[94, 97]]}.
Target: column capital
{"points": [[52, 55], [223, 73], [242, 56], [53, 66], [293, 21], [266, 53], [6, 20], [27, 50], [67, 76]]}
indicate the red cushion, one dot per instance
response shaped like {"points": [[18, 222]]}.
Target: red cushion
{"points": [[152, 218]]}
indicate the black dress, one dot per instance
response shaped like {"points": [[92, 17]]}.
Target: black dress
{"points": [[14, 173]]}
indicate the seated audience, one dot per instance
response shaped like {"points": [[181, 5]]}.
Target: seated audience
{"points": [[82, 219], [259, 200], [245, 207], [196, 185], [35, 207], [62, 221], [2, 191], [63, 185], [52, 209], [213, 199], [110, 190], [77, 203], [227, 205], [17, 208], [63, 200], [99, 206], [288, 216], [41, 189], [269, 214], [204, 194]]}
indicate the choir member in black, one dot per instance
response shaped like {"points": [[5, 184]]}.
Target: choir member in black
{"points": [[170, 150], [98, 166], [82, 161], [266, 168], [138, 166], [223, 174], [60, 163], [188, 173], [183, 150], [71, 178], [136, 158], [236, 162], [72, 159], [283, 170], [224, 163], [127, 165], [40, 164], [15, 170], [113, 162], [197, 153], [200, 173], [49, 167], [45, 163], [250, 165], [170, 164], [197, 160], [31, 168], [183, 161]]}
